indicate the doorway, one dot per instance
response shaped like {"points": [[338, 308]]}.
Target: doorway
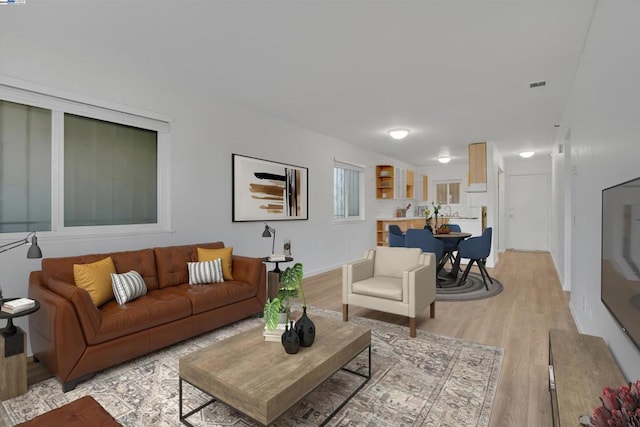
{"points": [[528, 212]]}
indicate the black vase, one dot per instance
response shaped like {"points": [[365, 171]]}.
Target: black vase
{"points": [[290, 340], [305, 329]]}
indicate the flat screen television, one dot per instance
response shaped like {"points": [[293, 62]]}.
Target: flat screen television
{"points": [[620, 270]]}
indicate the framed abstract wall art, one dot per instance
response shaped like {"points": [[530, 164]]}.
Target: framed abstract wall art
{"points": [[265, 190]]}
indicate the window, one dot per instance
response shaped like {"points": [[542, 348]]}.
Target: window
{"points": [[78, 167], [448, 193], [25, 168], [347, 192]]}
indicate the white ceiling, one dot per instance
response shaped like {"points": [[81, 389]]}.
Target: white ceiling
{"points": [[451, 71]]}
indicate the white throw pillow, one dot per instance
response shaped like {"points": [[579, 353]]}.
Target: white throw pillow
{"points": [[205, 272], [128, 286]]}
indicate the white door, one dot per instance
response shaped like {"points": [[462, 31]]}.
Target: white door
{"points": [[528, 212]]}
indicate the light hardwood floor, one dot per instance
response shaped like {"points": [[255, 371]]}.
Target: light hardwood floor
{"points": [[518, 320]]}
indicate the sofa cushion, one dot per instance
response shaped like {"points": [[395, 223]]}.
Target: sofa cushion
{"points": [[171, 262], [155, 308], [380, 287], [226, 254], [128, 286], [95, 278], [142, 261], [205, 298], [205, 272], [393, 261]]}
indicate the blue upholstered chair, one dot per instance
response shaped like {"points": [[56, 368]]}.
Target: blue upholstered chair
{"points": [[476, 249], [451, 245], [395, 229], [423, 238], [396, 241], [396, 236]]}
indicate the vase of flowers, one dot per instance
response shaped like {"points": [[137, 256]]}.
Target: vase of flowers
{"points": [[436, 209], [427, 220], [620, 407]]}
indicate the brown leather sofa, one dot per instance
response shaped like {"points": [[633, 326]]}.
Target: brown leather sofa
{"points": [[75, 339]]}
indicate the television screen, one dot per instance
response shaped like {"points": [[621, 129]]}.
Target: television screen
{"points": [[620, 276]]}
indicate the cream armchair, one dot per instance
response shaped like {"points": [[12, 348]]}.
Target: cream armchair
{"points": [[394, 280]]}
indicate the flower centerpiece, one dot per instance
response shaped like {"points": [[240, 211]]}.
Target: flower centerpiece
{"points": [[620, 407], [436, 209], [427, 219]]}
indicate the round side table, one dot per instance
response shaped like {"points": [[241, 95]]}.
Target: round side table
{"points": [[277, 267], [10, 328], [273, 277], [13, 360]]}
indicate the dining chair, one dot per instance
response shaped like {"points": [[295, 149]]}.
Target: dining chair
{"points": [[395, 229], [476, 249], [396, 241], [423, 238], [396, 236], [451, 245]]}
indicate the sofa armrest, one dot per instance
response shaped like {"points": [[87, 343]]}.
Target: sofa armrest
{"points": [[354, 272], [252, 271], [87, 312], [54, 331]]}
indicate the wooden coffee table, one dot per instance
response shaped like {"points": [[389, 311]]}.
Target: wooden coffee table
{"points": [[259, 379]]}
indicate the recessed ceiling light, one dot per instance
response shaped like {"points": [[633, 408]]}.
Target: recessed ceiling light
{"points": [[398, 133], [526, 154], [444, 159]]}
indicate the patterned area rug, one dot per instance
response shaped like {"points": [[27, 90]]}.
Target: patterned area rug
{"points": [[427, 381], [472, 289]]}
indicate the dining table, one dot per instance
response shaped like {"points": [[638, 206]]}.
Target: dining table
{"points": [[458, 236]]}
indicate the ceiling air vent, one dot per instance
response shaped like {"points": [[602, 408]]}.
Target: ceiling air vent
{"points": [[537, 84]]}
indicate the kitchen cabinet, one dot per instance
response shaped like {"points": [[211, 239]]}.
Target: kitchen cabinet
{"points": [[425, 188], [385, 182], [382, 227], [394, 182], [400, 183], [477, 180]]}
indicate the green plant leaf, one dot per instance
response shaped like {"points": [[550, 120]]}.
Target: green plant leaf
{"points": [[271, 313], [292, 278]]}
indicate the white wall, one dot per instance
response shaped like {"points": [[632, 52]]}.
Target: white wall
{"points": [[204, 134], [603, 118]]}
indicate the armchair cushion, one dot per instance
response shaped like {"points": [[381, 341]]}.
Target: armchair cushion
{"points": [[380, 286], [392, 262]]}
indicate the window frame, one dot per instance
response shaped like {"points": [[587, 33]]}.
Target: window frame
{"points": [[61, 102], [361, 190], [448, 182]]}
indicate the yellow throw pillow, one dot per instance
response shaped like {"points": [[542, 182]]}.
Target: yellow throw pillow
{"points": [[212, 254], [95, 278]]}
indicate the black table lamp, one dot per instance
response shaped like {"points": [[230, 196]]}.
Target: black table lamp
{"points": [[268, 232], [33, 252]]}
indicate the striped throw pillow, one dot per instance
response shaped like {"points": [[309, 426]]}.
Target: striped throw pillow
{"points": [[128, 286], [205, 272]]}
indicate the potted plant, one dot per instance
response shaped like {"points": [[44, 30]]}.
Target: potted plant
{"points": [[277, 310], [291, 284]]}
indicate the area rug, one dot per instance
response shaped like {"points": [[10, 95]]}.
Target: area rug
{"points": [[472, 289], [430, 380]]}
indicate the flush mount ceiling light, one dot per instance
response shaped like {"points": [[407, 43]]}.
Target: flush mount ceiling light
{"points": [[526, 154], [398, 133], [444, 159]]}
